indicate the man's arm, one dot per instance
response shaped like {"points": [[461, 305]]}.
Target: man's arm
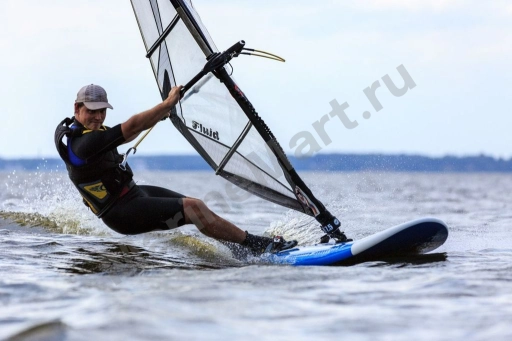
{"points": [[147, 119]]}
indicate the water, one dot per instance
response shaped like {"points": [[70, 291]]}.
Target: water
{"points": [[64, 275]]}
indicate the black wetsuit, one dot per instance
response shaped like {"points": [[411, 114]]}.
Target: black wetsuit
{"points": [[144, 209], [92, 161]]}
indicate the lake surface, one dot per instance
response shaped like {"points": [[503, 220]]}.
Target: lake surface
{"points": [[66, 276]]}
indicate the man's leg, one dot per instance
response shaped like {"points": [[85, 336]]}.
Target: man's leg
{"points": [[210, 224]]}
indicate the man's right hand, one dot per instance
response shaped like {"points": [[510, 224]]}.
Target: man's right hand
{"points": [[173, 97]]}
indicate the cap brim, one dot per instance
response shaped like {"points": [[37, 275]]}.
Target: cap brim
{"points": [[97, 105]]}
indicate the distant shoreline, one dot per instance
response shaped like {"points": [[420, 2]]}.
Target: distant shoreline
{"points": [[319, 162]]}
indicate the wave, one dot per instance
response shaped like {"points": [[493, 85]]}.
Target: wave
{"points": [[52, 223]]}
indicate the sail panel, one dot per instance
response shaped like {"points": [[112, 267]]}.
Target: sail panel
{"points": [[184, 52], [166, 7], [163, 71], [148, 16], [216, 151], [239, 165], [154, 62]]}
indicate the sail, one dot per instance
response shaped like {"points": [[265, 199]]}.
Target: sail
{"points": [[215, 117]]}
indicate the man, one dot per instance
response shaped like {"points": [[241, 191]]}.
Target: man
{"points": [[92, 161]]}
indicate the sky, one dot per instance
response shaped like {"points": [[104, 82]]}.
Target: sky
{"points": [[455, 53]]}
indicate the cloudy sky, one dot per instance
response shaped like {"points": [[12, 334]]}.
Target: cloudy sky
{"points": [[458, 53]]}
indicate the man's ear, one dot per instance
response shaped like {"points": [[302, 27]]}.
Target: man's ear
{"points": [[76, 108]]}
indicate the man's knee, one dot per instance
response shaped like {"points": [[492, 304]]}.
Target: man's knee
{"points": [[195, 210], [194, 204]]}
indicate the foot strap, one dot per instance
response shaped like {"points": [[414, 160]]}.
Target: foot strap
{"points": [[279, 244], [337, 236]]}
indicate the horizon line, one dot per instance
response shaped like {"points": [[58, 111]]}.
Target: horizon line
{"points": [[447, 155]]}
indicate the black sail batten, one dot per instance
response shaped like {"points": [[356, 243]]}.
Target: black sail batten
{"points": [[164, 35], [232, 150], [216, 118]]}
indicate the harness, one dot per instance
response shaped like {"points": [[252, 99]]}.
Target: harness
{"points": [[99, 179]]}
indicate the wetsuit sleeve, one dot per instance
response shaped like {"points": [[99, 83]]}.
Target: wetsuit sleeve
{"points": [[97, 142]]}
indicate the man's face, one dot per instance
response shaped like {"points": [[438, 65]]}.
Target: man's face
{"points": [[91, 119]]}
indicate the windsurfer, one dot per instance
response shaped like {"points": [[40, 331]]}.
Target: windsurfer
{"points": [[92, 161]]}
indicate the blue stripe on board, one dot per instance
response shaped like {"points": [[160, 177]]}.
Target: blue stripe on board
{"points": [[309, 256]]}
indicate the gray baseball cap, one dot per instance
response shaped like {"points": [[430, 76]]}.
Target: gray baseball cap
{"points": [[94, 97]]}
